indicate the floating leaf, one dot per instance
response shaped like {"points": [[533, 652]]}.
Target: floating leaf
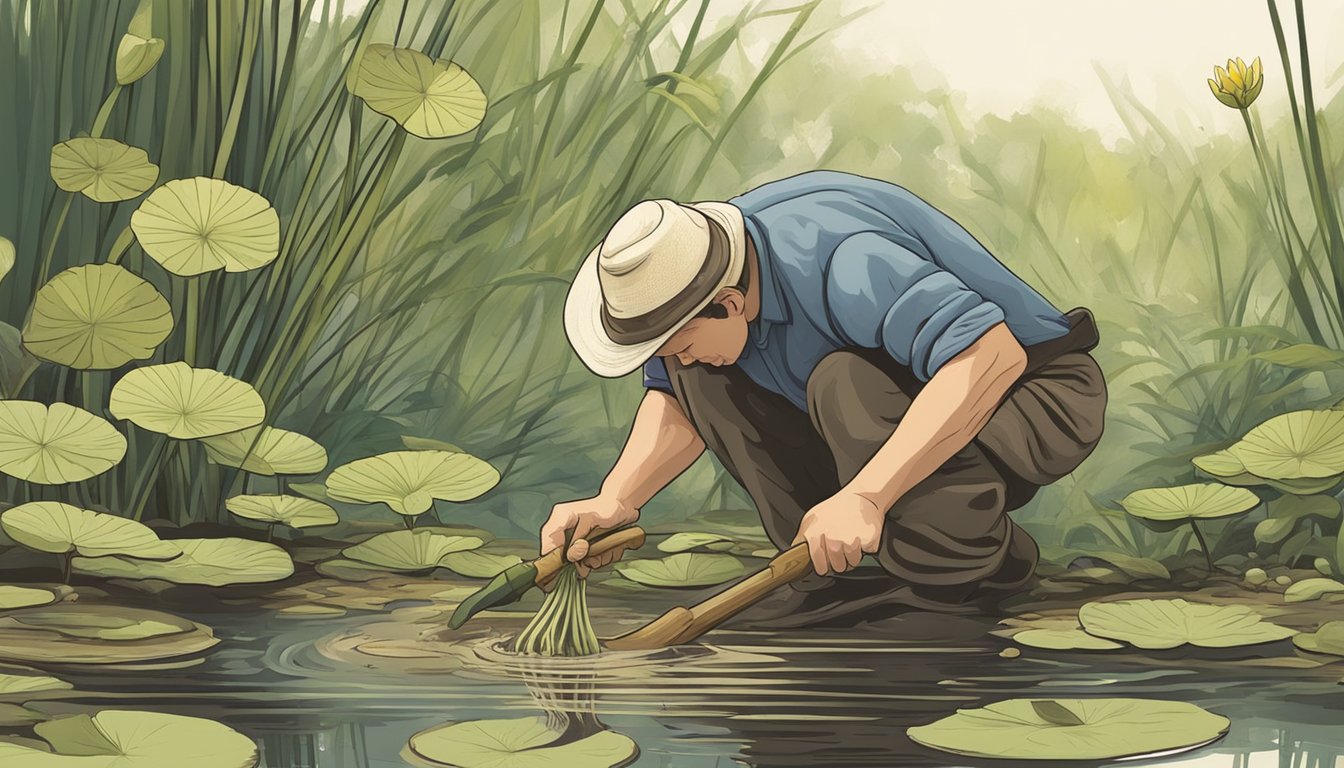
{"points": [[409, 481], [55, 444], [198, 225], [28, 642], [478, 565], [1135, 567], [687, 569], [409, 550], [97, 316], [50, 526], [1227, 468], [14, 684], [12, 597], [104, 170], [1064, 640], [432, 99], [129, 739], [519, 743], [1311, 589], [292, 511], [99, 622], [276, 452], [1106, 729], [689, 541], [1170, 507], [213, 562], [184, 402], [1329, 638], [1302, 445], [1159, 624]]}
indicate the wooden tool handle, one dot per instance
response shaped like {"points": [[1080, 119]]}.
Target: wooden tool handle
{"points": [[600, 541], [786, 567]]}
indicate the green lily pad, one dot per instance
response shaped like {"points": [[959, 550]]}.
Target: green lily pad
{"points": [[50, 526], [1095, 729], [56, 444], [410, 481], [177, 400], [1159, 624], [98, 622], [478, 565], [1302, 445], [16, 684], [275, 452], [1064, 640], [212, 562], [104, 170], [198, 225], [519, 743], [18, 715], [97, 317], [61, 642], [691, 541], [432, 99], [1328, 638], [292, 511], [686, 569], [1132, 566], [1167, 508], [349, 570], [408, 551], [12, 597], [128, 739], [1227, 468], [1311, 589]]}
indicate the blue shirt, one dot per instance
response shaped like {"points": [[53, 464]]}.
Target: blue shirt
{"points": [[849, 261]]}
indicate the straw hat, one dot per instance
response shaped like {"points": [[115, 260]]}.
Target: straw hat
{"points": [[661, 263]]}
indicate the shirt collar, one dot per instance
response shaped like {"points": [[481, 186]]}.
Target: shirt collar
{"points": [[773, 309]]}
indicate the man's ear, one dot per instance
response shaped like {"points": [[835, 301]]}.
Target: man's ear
{"points": [[732, 300]]}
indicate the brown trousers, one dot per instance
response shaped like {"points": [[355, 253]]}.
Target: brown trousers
{"points": [[950, 533]]}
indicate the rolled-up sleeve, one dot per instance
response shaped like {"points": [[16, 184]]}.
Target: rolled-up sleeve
{"points": [[880, 294], [655, 375]]}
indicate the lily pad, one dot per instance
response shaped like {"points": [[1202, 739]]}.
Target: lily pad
{"points": [[1064, 640], [104, 170], [16, 684], [478, 565], [275, 452], [689, 541], [177, 400], [1302, 445], [519, 743], [12, 597], [97, 317], [24, 642], [410, 481], [1329, 638], [129, 739], [1227, 468], [686, 569], [292, 511], [408, 551], [349, 570], [1166, 508], [19, 715], [1073, 729], [1311, 589], [432, 99], [198, 225], [50, 526], [212, 562], [56, 444], [1159, 624]]}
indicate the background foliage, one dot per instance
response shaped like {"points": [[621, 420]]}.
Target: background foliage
{"points": [[418, 293]]}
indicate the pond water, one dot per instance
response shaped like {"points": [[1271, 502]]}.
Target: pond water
{"points": [[348, 692]]}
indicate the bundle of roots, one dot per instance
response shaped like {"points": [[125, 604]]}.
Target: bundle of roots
{"points": [[561, 626]]}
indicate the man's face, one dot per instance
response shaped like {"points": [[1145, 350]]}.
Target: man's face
{"points": [[711, 340]]}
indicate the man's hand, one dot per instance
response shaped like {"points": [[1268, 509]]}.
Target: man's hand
{"points": [[840, 531], [582, 516]]}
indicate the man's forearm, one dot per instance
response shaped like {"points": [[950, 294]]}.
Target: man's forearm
{"points": [[662, 444], [943, 419]]}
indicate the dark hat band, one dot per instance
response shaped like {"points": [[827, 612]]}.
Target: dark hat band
{"points": [[656, 322]]}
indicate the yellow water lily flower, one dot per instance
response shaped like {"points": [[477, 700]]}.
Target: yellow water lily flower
{"points": [[1238, 85]]}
